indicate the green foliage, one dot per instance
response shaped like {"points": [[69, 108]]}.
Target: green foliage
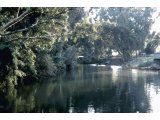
{"points": [[96, 41], [22, 64], [153, 42], [149, 48], [136, 20], [123, 42], [84, 35], [28, 32], [75, 15], [43, 41], [45, 65]]}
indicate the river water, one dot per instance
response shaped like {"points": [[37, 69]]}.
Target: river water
{"points": [[89, 88]]}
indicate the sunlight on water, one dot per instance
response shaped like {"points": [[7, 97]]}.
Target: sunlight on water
{"points": [[71, 109], [134, 75], [91, 109], [97, 65], [154, 96], [151, 72], [115, 72], [115, 67], [134, 71]]}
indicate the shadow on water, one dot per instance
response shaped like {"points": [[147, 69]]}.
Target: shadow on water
{"points": [[90, 88]]}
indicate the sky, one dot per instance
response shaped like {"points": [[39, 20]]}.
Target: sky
{"points": [[156, 25]]}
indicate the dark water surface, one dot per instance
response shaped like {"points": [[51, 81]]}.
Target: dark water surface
{"points": [[90, 88]]}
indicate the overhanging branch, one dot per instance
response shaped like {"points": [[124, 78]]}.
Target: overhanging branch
{"points": [[35, 37], [15, 20], [33, 25]]}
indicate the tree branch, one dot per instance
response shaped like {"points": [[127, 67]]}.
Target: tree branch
{"points": [[15, 20], [35, 37], [33, 25], [37, 23], [18, 12]]}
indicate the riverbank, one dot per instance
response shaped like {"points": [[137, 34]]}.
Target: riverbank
{"points": [[110, 61], [144, 62]]}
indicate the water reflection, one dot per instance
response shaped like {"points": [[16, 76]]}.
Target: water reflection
{"points": [[88, 89], [134, 75], [91, 109], [115, 70], [153, 94], [98, 65]]}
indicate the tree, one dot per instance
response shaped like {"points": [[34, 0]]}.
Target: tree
{"points": [[103, 44], [83, 35], [25, 33], [75, 15], [136, 20], [117, 38], [153, 42], [123, 42]]}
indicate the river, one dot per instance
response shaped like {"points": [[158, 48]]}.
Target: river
{"points": [[88, 89]]}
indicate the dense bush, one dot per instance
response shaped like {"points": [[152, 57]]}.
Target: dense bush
{"points": [[149, 50], [45, 65]]}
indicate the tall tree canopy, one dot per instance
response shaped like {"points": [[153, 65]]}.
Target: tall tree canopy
{"points": [[136, 20]]}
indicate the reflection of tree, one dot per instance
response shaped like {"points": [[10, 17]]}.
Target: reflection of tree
{"points": [[131, 95], [123, 96], [83, 91], [22, 101], [140, 96], [153, 79]]}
